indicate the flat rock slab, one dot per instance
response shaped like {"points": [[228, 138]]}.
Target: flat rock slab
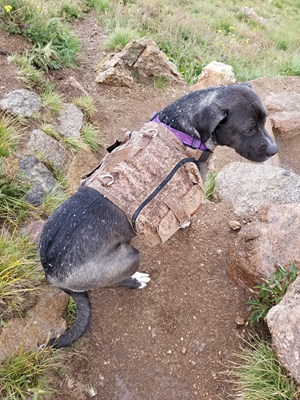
{"points": [[272, 239], [247, 186], [21, 102], [50, 148], [42, 321], [70, 121], [284, 324], [40, 178]]}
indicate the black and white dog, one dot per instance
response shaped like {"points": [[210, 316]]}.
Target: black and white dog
{"points": [[85, 242]]}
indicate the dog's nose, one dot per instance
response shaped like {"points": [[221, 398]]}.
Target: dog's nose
{"points": [[272, 150]]}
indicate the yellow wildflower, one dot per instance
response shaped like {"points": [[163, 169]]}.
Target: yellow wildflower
{"points": [[8, 8]]}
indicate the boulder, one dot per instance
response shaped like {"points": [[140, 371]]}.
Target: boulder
{"points": [[34, 230], [215, 74], [284, 111], [141, 59], [252, 15], [70, 121], [50, 148], [43, 321], [247, 186], [284, 324], [21, 102], [41, 180], [272, 239]]}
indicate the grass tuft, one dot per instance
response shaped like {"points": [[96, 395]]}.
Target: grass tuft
{"points": [[71, 312], [258, 375], [118, 38], [161, 82], [91, 136], [52, 100], [86, 103], [8, 135], [23, 375], [13, 188], [76, 145], [51, 131], [54, 199], [209, 185], [18, 270], [99, 5]]}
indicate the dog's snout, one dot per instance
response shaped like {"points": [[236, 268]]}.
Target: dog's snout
{"points": [[272, 150]]}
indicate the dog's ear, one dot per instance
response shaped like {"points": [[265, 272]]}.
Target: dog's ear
{"points": [[207, 119], [246, 84]]}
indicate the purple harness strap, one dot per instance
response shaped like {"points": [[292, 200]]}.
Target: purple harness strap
{"points": [[183, 137]]}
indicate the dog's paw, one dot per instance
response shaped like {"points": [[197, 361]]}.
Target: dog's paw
{"points": [[141, 279]]}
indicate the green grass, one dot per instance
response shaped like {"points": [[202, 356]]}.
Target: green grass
{"points": [[13, 188], [9, 135], [50, 131], [161, 82], [23, 376], [86, 103], [18, 270], [76, 145], [28, 74], [91, 136], [118, 38], [52, 100], [99, 5], [54, 199], [55, 45], [258, 375], [209, 184], [193, 33], [271, 292], [71, 312]]}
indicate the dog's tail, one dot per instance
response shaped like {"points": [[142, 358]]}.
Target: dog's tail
{"points": [[81, 324]]}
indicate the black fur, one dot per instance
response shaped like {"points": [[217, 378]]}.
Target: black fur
{"points": [[84, 243]]}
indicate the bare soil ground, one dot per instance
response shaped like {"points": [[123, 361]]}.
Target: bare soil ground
{"points": [[176, 338]]}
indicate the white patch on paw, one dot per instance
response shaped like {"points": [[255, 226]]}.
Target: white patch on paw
{"points": [[142, 278]]}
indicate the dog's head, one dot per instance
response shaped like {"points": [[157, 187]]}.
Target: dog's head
{"points": [[231, 116]]}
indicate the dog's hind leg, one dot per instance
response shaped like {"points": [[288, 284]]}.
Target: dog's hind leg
{"points": [[138, 280]]}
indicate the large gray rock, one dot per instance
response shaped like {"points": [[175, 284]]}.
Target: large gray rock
{"points": [[284, 111], [50, 148], [21, 102], [40, 178], [43, 321], [215, 74], [273, 238], [284, 324], [70, 121], [247, 186], [142, 58]]}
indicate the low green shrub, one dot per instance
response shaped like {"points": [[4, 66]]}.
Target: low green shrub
{"points": [[271, 292]]}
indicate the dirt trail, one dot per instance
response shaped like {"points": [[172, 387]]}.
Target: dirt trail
{"points": [[175, 339]]}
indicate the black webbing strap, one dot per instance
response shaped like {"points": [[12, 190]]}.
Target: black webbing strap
{"points": [[158, 189]]}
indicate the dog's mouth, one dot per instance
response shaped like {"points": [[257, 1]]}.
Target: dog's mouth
{"points": [[260, 154]]}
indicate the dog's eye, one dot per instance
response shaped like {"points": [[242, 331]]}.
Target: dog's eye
{"points": [[248, 130]]}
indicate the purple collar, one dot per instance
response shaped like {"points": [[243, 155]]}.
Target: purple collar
{"points": [[183, 137]]}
